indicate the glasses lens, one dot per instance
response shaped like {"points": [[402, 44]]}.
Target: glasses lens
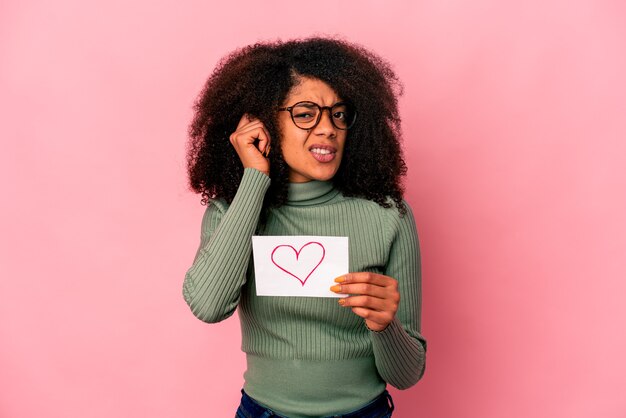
{"points": [[305, 114], [343, 115]]}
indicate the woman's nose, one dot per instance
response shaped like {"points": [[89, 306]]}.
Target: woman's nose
{"points": [[325, 125]]}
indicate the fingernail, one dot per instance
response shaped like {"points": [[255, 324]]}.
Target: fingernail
{"points": [[340, 279], [342, 302], [336, 288]]}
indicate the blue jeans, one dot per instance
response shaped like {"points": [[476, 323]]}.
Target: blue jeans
{"points": [[381, 407]]}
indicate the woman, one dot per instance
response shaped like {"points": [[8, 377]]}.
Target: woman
{"points": [[302, 138]]}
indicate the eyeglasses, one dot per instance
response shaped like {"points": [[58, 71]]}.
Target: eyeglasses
{"points": [[306, 115]]}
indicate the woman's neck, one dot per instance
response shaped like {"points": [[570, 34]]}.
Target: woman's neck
{"points": [[311, 193]]}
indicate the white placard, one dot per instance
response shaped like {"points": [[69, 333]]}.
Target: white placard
{"points": [[299, 265]]}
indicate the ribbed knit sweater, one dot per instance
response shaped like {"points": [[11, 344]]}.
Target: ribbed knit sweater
{"points": [[309, 356]]}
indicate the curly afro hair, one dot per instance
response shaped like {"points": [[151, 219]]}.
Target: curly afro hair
{"points": [[256, 80]]}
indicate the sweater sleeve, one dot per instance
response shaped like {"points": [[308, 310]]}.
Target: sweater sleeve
{"points": [[400, 349], [213, 284]]}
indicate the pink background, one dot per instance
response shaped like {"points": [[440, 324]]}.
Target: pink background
{"points": [[514, 121]]}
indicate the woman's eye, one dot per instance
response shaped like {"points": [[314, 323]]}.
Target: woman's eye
{"points": [[303, 115], [339, 115]]}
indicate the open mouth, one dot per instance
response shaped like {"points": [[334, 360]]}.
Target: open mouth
{"points": [[323, 153]]}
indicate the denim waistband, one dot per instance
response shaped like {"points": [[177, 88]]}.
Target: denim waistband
{"points": [[379, 407]]}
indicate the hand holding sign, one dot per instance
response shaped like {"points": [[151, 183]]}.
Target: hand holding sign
{"points": [[375, 297], [298, 265]]}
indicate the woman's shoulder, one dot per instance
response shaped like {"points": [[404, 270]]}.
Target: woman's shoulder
{"points": [[389, 210], [215, 206]]}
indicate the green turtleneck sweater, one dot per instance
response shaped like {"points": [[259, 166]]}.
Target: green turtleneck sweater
{"points": [[310, 356]]}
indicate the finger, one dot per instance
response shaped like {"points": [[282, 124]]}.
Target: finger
{"points": [[366, 277], [245, 119], [370, 302], [248, 123], [250, 127], [264, 142], [252, 132], [362, 289], [250, 136], [266, 151]]}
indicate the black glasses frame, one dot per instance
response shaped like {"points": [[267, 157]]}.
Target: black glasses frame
{"points": [[319, 115]]}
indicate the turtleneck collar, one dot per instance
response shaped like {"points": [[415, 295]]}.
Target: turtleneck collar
{"points": [[311, 193]]}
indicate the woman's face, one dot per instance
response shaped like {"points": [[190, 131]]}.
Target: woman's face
{"points": [[313, 154]]}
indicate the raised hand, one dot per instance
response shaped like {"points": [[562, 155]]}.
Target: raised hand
{"points": [[252, 143]]}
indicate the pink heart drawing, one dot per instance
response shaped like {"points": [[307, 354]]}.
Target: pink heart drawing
{"points": [[283, 259]]}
